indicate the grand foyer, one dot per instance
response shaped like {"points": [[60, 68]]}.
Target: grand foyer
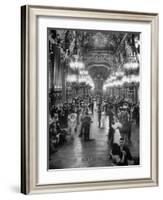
{"points": [[97, 71], [95, 62]]}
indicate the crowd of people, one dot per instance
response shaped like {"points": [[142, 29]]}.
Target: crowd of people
{"points": [[68, 118], [74, 118]]}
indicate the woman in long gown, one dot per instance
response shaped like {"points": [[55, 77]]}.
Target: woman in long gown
{"points": [[72, 124], [117, 134], [80, 127], [92, 132], [102, 120]]}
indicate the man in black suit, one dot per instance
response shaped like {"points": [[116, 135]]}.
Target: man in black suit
{"points": [[86, 126]]}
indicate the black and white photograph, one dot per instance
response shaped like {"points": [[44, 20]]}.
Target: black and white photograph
{"points": [[93, 98], [89, 99]]}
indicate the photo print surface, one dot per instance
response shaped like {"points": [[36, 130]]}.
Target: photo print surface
{"points": [[93, 98]]}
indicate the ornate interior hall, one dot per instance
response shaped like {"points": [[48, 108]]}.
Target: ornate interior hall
{"points": [[93, 98]]}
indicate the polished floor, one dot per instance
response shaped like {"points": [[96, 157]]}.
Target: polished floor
{"points": [[80, 154]]}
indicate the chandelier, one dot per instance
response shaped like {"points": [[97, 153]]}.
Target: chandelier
{"points": [[112, 77], [131, 66], [83, 72], [119, 74], [118, 83], [131, 63], [71, 78], [75, 64]]}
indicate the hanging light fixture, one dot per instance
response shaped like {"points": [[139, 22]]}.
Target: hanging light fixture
{"points": [[71, 78], [112, 77], [131, 63], [76, 64], [83, 72], [119, 74]]}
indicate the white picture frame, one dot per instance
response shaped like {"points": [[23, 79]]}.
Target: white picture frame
{"points": [[35, 177]]}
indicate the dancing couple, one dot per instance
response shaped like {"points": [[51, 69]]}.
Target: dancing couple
{"points": [[85, 129]]}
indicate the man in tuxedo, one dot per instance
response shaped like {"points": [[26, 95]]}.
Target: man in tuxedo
{"points": [[86, 126]]}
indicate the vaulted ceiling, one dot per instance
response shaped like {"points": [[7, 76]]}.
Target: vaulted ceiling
{"points": [[99, 50]]}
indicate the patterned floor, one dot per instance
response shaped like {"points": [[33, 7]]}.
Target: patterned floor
{"points": [[80, 154]]}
